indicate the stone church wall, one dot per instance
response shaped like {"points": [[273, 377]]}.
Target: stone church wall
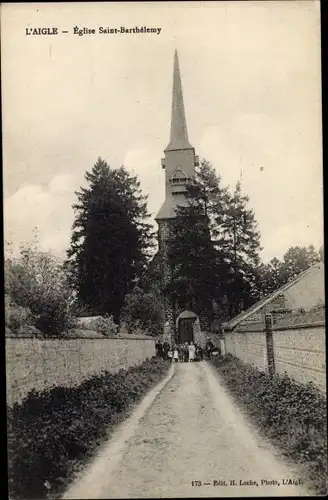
{"points": [[42, 364]]}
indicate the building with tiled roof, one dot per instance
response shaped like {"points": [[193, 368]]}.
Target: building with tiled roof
{"points": [[302, 293]]}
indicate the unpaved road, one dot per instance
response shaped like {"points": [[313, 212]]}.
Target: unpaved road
{"points": [[189, 430]]}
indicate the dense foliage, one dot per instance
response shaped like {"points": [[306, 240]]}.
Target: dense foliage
{"points": [[111, 239], [193, 261], [276, 273], [143, 311], [37, 292], [104, 325], [50, 433], [292, 416], [238, 240], [17, 317], [214, 251], [214, 247]]}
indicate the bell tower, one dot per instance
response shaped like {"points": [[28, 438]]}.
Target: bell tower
{"points": [[179, 164], [179, 156]]}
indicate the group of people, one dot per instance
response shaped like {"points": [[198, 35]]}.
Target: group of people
{"points": [[187, 352], [184, 353]]}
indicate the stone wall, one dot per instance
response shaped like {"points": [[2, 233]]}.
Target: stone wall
{"points": [[298, 347], [301, 353], [42, 364], [248, 346]]}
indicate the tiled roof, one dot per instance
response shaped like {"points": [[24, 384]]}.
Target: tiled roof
{"points": [[309, 317], [261, 303]]}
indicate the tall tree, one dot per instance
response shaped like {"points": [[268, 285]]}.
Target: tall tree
{"points": [[193, 261], [276, 273], [296, 260], [214, 245], [238, 240], [111, 239], [268, 277]]}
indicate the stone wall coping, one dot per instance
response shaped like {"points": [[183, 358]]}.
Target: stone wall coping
{"points": [[114, 337], [276, 328], [250, 329], [299, 326]]}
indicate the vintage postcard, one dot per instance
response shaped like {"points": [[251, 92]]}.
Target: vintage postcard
{"points": [[164, 258]]}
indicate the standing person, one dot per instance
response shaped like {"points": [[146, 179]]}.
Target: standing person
{"points": [[159, 349], [192, 351], [170, 354], [198, 355], [176, 354], [185, 352], [196, 351], [166, 348]]}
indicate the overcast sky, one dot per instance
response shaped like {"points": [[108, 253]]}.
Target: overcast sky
{"points": [[252, 91]]}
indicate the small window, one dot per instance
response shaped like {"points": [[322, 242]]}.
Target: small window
{"points": [[179, 180]]}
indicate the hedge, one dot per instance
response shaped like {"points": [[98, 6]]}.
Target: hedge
{"points": [[291, 415], [51, 433]]}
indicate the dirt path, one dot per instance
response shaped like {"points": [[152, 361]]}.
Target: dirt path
{"points": [[184, 437]]}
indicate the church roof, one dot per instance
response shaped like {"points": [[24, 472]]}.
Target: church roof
{"points": [[167, 210], [179, 134]]}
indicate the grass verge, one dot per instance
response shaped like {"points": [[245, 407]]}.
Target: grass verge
{"points": [[292, 416], [52, 433]]}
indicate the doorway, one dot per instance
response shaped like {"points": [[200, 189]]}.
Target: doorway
{"points": [[186, 330]]}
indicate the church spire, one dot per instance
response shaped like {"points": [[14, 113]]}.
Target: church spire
{"points": [[179, 134], [180, 160]]}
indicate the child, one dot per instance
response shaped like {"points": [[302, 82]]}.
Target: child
{"points": [[170, 354], [176, 355]]}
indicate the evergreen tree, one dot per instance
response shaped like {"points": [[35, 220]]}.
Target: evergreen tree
{"points": [[296, 260], [111, 239], [268, 277], [276, 273], [214, 247], [238, 241], [193, 258], [193, 261]]}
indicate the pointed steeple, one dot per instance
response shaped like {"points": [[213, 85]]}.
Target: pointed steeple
{"points": [[179, 134], [180, 160]]}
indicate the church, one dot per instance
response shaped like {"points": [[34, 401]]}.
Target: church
{"points": [[179, 164]]}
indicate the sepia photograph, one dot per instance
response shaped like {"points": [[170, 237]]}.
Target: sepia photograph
{"points": [[164, 249]]}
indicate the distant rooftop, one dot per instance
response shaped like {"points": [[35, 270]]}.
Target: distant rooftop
{"points": [[229, 325]]}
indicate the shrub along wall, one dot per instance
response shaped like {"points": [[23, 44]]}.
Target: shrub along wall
{"points": [[53, 432], [41, 364], [292, 416]]}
